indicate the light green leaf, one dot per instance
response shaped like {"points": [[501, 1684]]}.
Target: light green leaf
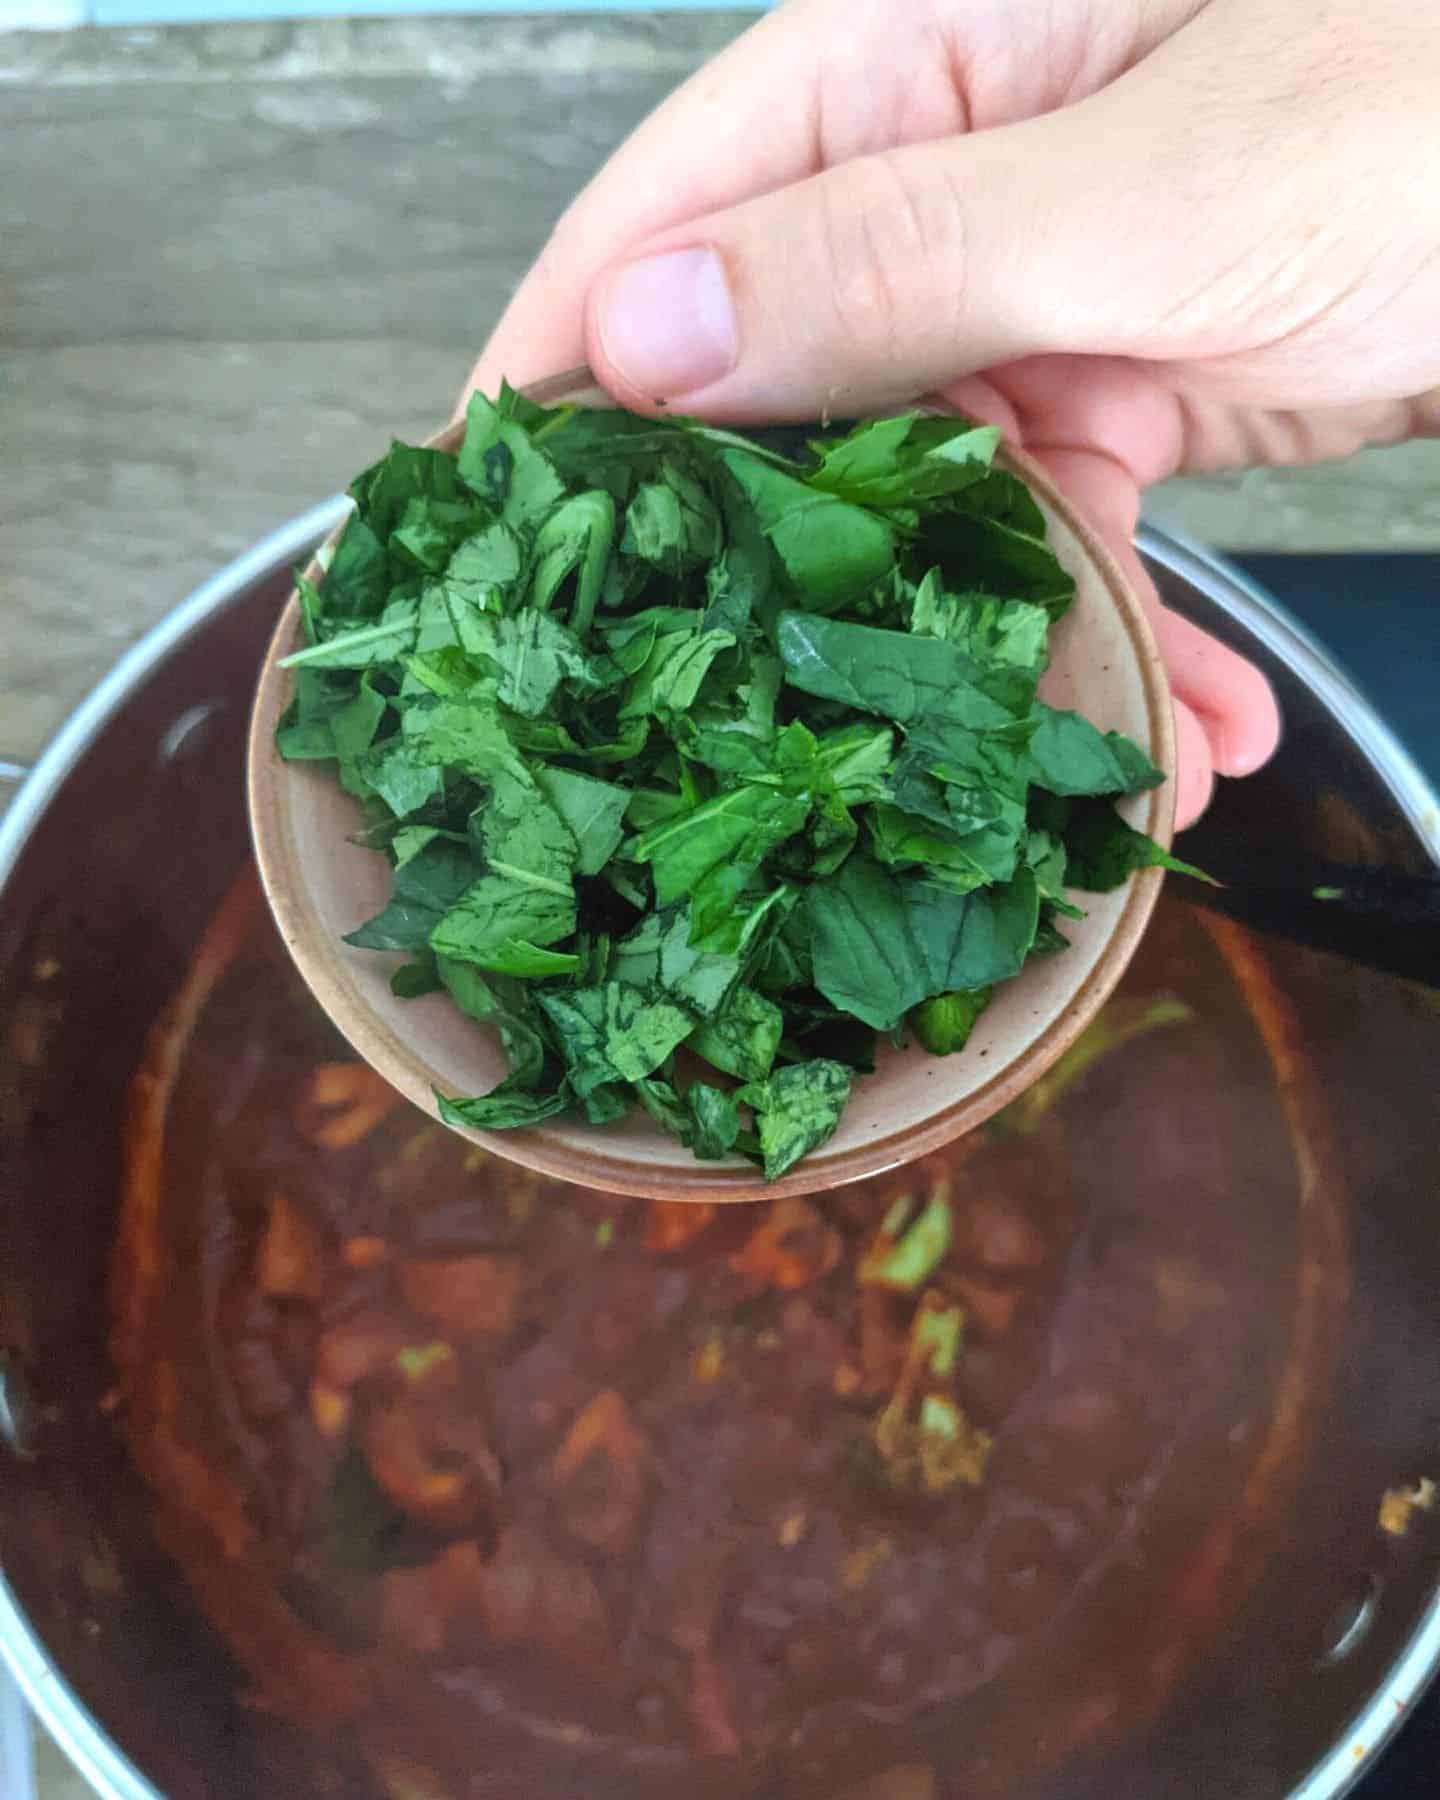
{"points": [[831, 551], [593, 810], [735, 829], [499, 461]]}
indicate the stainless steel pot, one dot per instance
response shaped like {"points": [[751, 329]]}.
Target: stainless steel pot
{"points": [[117, 849]]}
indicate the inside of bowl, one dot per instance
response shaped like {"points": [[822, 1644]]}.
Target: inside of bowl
{"points": [[323, 885]]}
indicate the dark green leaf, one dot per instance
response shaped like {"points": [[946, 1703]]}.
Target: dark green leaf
{"points": [[742, 1038], [1045, 854], [407, 473], [664, 1105], [429, 531], [485, 565], [1103, 852], [865, 957], [881, 945], [714, 1121], [907, 840], [410, 840], [857, 759], [975, 552], [735, 741], [357, 581], [509, 1107], [493, 1000], [356, 723], [672, 523], [1069, 756], [988, 630], [364, 645], [604, 1105], [306, 733], [740, 581], [658, 955], [467, 735], [1004, 498], [405, 781], [833, 835], [906, 680], [534, 654], [670, 678], [413, 979], [424, 890], [796, 1111], [706, 1120], [974, 940], [614, 1032]]}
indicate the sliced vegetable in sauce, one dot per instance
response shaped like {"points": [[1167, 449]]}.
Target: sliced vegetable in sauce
{"points": [[700, 758]]}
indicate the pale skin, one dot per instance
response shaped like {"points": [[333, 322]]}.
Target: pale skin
{"points": [[1143, 236]]}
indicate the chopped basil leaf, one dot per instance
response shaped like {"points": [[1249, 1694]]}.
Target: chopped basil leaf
{"points": [[691, 752]]}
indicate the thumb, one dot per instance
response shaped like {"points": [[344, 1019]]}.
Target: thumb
{"points": [[893, 274]]}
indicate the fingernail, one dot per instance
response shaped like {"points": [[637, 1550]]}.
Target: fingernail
{"points": [[666, 324]]}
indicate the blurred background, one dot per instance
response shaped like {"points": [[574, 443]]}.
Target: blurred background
{"points": [[244, 243]]}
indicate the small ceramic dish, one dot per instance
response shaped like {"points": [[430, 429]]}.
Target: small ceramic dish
{"points": [[321, 885]]}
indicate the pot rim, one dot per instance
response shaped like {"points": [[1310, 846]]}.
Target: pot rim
{"points": [[1213, 574], [65, 1716]]}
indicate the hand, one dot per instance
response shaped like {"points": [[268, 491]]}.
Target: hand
{"points": [[1143, 236]]}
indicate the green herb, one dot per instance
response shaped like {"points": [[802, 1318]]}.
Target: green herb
{"points": [[917, 1254], [796, 1111], [925, 1441], [1069, 756], [742, 1038], [696, 754], [1102, 851], [938, 1334], [943, 1025], [415, 1361], [426, 886]]}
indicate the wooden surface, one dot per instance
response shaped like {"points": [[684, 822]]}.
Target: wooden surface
{"points": [[234, 261]]}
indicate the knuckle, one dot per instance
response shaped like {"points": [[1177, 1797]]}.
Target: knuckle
{"points": [[894, 245]]}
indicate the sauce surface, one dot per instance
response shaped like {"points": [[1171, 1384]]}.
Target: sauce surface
{"points": [[497, 1486]]}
